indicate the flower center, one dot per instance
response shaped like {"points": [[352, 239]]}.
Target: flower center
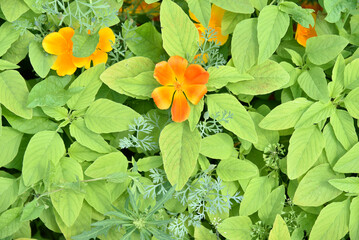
{"points": [[178, 86]]}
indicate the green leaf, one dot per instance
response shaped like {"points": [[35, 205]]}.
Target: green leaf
{"points": [[268, 77], [236, 228], [351, 75], [235, 169], [9, 192], [88, 138], [179, 34], [201, 9], [146, 41], [8, 35], [32, 210], [10, 140], [256, 194], [180, 148], [107, 164], [265, 137], [67, 202], [259, 4], [81, 153], [324, 48], [273, 206], [103, 116], [238, 6], [280, 230], [132, 77], [147, 163], [40, 60], [332, 222], [333, 148], [314, 84], [300, 15], [217, 146], [305, 147], [6, 65], [349, 184], [43, 148], [285, 115], [354, 219], [58, 113], [203, 233], [10, 222], [11, 12], [244, 45], [343, 126], [272, 26], [349, 162], [90, 81], [335, 7], [14, 93], [195, 114], [222, 75], [241, 123], [84, 43], [351, 102], [98, 196], [338, 77], [20, 48], [314, 189], [317, 112], [230, 21]]}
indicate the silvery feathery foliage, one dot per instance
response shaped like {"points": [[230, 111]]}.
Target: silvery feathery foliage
{"points": [[211, 124], [159, 183], [39, 24]]}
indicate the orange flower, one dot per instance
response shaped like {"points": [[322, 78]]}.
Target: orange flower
{"points": [[141, 7], [180, 82], [100, 54], [215, 23], [60, 44]]}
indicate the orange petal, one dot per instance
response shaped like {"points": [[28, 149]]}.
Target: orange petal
{"points": [[217, 36], [81, 62], [67, 33], [107, 39], [162, 96], [194, 93], [217, 14], [64, 65], [178, 65], [163, 74], [55, 43], [180, 107], [195, 74], [99, 57], [303, 34], [194, 18]]}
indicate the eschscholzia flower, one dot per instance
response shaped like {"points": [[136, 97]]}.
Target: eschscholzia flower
{"points": [[107, 37], [181, 82], [141, 7], [303, 34], [215, 23], [60, 44]]}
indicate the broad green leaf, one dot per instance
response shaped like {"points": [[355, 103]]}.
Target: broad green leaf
{"points": [[103, 116], [132, 77], [58, 113], [273, 206], [51, 93], [236, 228], [43, 148], [349, 184], [351, 75], [8, 35], [337, 77], [255, 196], [305, 147], [244, 47], [9, 190], [272, 26], [222, 75], [98, 196], [333, 148], [203, 233], [238, 6], [335, 7], [179, 34], [67, 202], [317, 112], [343, 126], [314, 84], [9, 144], [230, 20], [265, 137], [280, 230], [20, 48], [235, 169], [88, 138], [12, 10], [349, 162], [14, 93], [351, 102], [324, 48], [300, 15], [40, 60], [195, 114], [84, 43], [241, 123], [146, 41], [201, 9], [259, 4], [107, 164], [314, 189], [297, 59], [354, 219], [332, 222], [6, 65], [32, 210], [285, 115], [10, 222], [268, 77], [180, 148], [217, 146], [147, 163], [90, 81], [82, 154]]}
